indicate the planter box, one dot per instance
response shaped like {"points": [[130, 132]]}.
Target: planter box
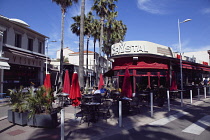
{"points": [[17, 118], [44, 120], [10, 115], [21, 118]]}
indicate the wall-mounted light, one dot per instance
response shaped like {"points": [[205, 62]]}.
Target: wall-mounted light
{"points": [[135, 58]]}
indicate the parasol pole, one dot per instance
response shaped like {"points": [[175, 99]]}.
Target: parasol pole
{"points": [[75, 113], [62, 123]]}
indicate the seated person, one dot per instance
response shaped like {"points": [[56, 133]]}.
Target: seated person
{"points": [[103, 91], [97, 91], [82, 91], [94, 89]]}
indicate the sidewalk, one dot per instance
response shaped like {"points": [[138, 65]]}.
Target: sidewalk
{"points": [[95, 131]]}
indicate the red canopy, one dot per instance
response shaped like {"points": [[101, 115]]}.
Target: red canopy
{"points": [[127, 88], [66, 83], [75, 90], [101, 81]]}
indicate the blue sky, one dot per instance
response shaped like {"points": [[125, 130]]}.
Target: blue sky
{"points": [[147, 20]]}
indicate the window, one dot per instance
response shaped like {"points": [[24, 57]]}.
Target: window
{"points": [[30, 44], [40, 47], [18, 40], [5, 37]]}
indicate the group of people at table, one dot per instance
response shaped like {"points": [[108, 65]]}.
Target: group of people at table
{"points": [[102, 91]]}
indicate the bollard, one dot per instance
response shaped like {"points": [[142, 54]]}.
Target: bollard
{"points": [[198, 94], [191, 96], [181, 98], [62, 123], [151, 103], [204, 91], [120, 113], [168, 97]]}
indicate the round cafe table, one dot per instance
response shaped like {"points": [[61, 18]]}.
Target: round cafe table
{"points": [[62, 98]]}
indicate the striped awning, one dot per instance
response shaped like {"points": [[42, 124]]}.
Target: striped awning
{"points": [[4, 65]]}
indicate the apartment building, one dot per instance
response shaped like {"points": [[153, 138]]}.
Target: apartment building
{"points": [[22, 54]]}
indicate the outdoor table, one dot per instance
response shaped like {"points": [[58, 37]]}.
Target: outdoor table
{"points": [[63, 98], [125, 104], [174, 93], [88, 98], [144, 97], [116, 95], [93, 109]]}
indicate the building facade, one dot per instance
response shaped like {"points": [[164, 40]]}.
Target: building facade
{"points": [[24, 51]]}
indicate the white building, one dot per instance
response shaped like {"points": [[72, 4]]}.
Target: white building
{"points": [[201, 56], [73, 58], [23, 49]]}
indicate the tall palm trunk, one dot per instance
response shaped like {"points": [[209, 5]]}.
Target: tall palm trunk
{"points": [[61, 51], [81, 46], [94, 63], [100, 46], [87, 83]]}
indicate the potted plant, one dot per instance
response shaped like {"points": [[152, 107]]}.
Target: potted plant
{"points": [[19, 113], [42, 114]]}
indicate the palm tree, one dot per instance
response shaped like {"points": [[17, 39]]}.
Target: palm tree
{"points": [[64, 4], [81, 45], [102, 7], [75, 28], [96, 35], [114, 34]]}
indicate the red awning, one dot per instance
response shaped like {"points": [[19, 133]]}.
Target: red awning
{"points": [[143, 65]]}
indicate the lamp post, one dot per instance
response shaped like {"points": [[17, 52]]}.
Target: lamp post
{"points": [[47, 52], [180, 47]]}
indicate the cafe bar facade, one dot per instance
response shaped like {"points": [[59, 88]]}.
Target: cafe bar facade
{"points": [[151, 64]]}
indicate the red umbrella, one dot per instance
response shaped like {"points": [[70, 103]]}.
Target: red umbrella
{"points": [[66, 83], [75, 90], [47, 83], [127, 88], [101, 81], [173, 82]]}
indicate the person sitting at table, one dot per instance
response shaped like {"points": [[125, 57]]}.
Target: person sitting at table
{"points": [[97, 91], [103, 91], [94, 89], [82, 91]]}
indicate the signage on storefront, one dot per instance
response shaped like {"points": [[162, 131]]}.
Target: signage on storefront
{"points": [[123, 48], [21, 60], [136, 47]]}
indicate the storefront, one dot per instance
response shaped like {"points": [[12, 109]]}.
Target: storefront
{"points": [[152, 65], [25, 69]]}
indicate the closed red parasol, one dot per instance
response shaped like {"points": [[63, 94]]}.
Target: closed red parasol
{"points": [[126, 88], [173, 82], [66, 83], [75, 90], [47, 82], [101, 81]]}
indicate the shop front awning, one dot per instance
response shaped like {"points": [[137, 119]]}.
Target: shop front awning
{"points": [[143, 65], [4, 65]]}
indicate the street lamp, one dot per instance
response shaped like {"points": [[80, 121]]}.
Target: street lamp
{"points": [[47, 52], [180, 47]]}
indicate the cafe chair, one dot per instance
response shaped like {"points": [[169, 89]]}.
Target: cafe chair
{"points": [[85, 114], [97, 98], [134, 105], [105, 109]]}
